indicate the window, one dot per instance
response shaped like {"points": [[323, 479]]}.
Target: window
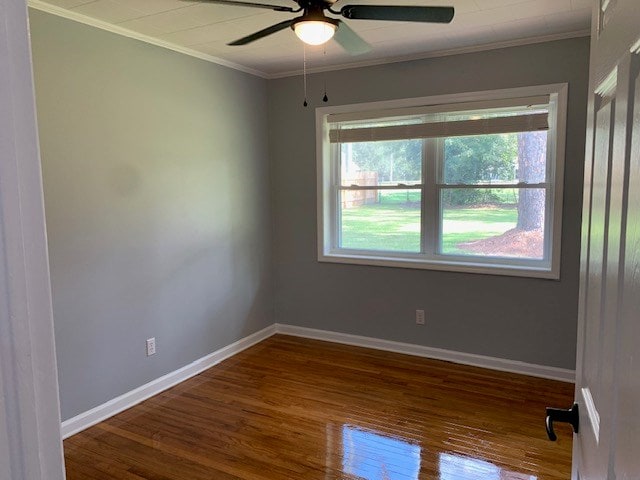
{"points": [[469, 182]]}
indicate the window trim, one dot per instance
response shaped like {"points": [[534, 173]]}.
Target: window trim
{"points": [[327, 208]]}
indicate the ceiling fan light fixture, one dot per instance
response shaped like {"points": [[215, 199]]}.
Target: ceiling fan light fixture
{"points": [[314, 32]]}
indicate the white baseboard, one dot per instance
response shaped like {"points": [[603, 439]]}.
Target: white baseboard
{"points": [[129, 399], [492, 363]]}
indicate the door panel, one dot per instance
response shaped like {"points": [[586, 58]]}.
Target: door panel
{"points": [[597, 251], [593, 391], [627, 438], [607, 378]]}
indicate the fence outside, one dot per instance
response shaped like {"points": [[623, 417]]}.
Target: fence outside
{"points": [[357, 198]]}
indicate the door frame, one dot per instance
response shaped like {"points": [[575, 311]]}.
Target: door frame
{"points": [[30, 438]]}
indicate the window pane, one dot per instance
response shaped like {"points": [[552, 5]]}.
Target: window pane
{"points": [[381, 163], [505, 222], [380, 220], [499, 158]]}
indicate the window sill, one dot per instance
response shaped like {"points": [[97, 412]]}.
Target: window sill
{"points": [[484, 268]]}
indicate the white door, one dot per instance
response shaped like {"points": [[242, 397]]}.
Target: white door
{"points": [[608, 364]]}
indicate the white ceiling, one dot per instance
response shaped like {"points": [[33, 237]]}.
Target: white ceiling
{"points": [[204, 29]]}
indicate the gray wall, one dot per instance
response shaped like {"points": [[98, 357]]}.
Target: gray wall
{"points": [[531, 320], [157, 192], [157, 202]]}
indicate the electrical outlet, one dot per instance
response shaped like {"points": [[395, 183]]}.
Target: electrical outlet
{"points": [[151, 346], [419, 317]]}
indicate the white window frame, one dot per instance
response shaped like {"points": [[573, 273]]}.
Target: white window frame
{"points": [[549, 267]]}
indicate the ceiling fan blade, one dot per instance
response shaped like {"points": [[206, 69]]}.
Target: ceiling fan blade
{"points": [[263, 33], [398, 13], [277, 8], [353, 43]]}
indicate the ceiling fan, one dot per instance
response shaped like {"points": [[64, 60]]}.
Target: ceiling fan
{"points": [[315, 28]]}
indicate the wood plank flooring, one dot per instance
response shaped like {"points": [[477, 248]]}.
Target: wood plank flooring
{"points": [[291, 408]]}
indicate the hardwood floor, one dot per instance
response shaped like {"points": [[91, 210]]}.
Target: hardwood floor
{"points": [[291, 408]]}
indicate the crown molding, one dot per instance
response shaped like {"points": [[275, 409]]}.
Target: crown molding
{"points": [[125, 32], [438, 53]]}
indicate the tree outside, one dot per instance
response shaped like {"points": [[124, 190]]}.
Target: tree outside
{"points": [[478, 160], [532, 162], [393, 161]]}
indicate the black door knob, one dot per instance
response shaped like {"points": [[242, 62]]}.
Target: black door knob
{"points": [[571, 416]]}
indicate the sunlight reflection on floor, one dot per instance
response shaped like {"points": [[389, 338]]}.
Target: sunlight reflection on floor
{"points": [[372, 455]]}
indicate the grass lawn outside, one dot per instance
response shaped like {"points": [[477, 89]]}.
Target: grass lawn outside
{"points": [[394, 224], [461, 225]]}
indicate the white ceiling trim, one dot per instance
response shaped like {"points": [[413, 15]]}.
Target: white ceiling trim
{"points": [[439, 53], [78, 17]]}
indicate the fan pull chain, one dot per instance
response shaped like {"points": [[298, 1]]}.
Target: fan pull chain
{"points": [[304, 74], [325, 99]]}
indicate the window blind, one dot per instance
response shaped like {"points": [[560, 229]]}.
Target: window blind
{"points": [[453, 128], [517, 104]]}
